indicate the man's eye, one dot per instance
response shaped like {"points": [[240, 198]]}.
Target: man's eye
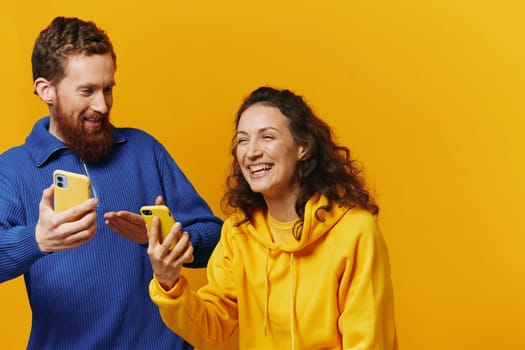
{"points": [[108, 90], [86, 91]]}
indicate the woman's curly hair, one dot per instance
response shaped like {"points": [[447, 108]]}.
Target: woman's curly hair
{"points": [[327, 167]]}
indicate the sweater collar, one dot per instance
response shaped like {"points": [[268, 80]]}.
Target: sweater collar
{"points": [[42, 145]]}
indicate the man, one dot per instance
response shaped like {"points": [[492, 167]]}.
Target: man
{"points": [[86, 269]]}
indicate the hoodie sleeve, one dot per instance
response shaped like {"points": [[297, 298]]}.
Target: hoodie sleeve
{"points": [[366, 293], [209, 316]]}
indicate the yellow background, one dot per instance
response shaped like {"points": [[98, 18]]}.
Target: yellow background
{"points": [[429, 95]]}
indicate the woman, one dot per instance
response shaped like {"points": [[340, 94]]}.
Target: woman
{"points": [[301, 263]]}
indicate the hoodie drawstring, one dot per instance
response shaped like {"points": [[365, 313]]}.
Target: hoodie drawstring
{"points": [[292, 293], [292, 303], [266, 290]]}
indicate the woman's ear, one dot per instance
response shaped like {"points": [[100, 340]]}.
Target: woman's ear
{"points": [[45, 90], [303, 152]]}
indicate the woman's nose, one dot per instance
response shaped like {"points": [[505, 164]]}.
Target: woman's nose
{"points": [[253, 150]]}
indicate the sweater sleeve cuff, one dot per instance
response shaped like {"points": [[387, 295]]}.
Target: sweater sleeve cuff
{"points": [[23, 244]]}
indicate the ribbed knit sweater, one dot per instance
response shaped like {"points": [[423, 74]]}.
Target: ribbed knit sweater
{"points": [[95, 296]]}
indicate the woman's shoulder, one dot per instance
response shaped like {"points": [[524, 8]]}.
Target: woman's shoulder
{"points": [[359, 221], [361, 216], [234, 220]]}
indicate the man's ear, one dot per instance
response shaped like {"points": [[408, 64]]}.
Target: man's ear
{"points": [[45, 90]]}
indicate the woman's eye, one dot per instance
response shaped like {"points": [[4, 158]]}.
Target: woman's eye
{"points": [[241, 141]]}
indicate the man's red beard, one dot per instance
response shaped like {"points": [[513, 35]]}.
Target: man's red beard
{"points": [[89, 144]]}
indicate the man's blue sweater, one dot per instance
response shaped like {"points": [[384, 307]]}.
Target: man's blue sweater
{"points": [[95, 296]]}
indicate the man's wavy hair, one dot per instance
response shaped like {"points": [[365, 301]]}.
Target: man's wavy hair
{"points": [[63, 38], [327, 167]]}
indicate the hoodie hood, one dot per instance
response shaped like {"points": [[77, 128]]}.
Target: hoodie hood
{"points": [[312, 229]]}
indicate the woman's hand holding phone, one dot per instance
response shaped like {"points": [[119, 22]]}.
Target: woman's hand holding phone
{"points": [[168, 249]]}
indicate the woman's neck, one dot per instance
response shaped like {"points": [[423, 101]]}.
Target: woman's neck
{"points": [[282, 209]]}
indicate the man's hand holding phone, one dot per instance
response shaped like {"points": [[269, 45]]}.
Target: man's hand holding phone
{"points": [[70, 228]]}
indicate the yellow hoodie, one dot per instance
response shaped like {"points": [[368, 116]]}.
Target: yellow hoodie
{"points": [[330, 290]]}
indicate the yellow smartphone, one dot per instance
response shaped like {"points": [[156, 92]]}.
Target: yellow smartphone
{"points": [[70, 189], [148, 212]]}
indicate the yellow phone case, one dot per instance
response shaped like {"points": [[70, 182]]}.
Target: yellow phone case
{"points": [[148, 212], [70, 189]]}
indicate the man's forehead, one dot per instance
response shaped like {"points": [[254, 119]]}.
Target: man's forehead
{"points": [[90, 69]]}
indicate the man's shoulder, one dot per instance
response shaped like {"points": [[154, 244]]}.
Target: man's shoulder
{"points": [[14, 159], [133, 135], [13, 153], [133, 131]]}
